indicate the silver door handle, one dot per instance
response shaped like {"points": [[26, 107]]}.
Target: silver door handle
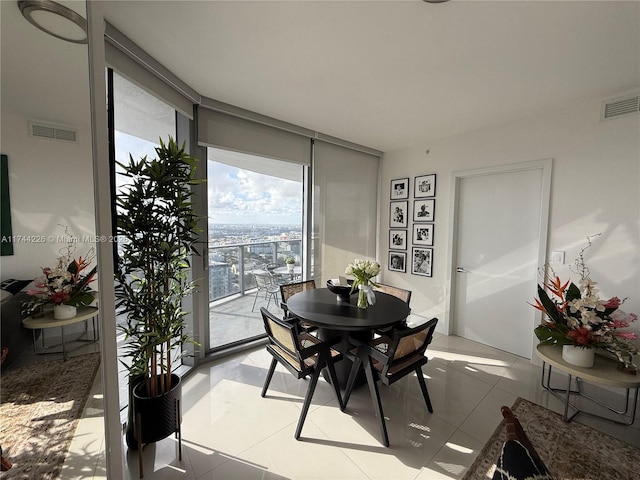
{"points": [[461, 270]]}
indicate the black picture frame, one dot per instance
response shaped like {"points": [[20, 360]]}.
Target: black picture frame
{"points": [[397, 239], [422, 261], [398, 262], [399, 189], [398, 213], [424, 186], [424, 210], [423, 234]]}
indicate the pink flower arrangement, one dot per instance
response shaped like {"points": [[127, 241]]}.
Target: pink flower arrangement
{"points": [[67, 283], [577, 316]]}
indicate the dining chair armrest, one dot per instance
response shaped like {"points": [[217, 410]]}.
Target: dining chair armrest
{"points": [[368, 350], [313, 349], [355, 347], [318, 347]]}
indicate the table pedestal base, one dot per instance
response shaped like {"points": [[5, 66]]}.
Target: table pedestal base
{"points": [[343, 367]]}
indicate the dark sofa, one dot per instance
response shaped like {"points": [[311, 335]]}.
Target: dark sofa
{"points": [[14, 336]]}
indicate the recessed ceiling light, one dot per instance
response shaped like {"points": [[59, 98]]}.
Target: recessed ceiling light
{"points": [[55, 19]]}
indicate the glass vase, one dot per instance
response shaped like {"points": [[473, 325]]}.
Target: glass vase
{"points": [[366, 296], [362, 299]]}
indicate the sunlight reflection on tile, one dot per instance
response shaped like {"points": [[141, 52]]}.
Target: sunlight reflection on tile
{"points": [[458, 448], [457, 357], [230, 431], [453, 458], [452, 467]]}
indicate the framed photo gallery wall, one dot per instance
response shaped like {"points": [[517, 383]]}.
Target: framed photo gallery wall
{"points": [[425, 186], [398, 219], [421, 234]]}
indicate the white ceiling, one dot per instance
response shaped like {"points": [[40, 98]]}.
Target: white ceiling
{"points": [[43, 78], [389, 74]]}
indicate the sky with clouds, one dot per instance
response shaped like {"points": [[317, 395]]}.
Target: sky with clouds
{"points": [[236, 195], [243, 196]]}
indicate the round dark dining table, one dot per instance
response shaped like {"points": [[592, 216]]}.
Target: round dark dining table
{"points": [[335, 318]]}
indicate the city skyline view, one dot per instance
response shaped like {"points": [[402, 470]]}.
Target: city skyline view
{"points": [[242, 233]]}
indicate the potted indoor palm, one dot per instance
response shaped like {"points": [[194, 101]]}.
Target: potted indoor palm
{"points": [[157, 230]]}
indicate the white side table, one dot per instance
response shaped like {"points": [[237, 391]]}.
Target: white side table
{"points": [[604, 372], [84, 314]]}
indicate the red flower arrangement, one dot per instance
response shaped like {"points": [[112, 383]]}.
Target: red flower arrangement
{"points": [[577, 316], [67, 283]]}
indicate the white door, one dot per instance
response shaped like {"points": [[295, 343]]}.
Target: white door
{"points": [[501, 225]]}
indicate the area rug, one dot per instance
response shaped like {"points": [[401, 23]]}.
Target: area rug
{"points": [[40, 406], [571, 451]]}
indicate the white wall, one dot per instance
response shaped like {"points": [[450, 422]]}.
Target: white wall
{"points": [[50, 183], [44, 79], [595, 183]]}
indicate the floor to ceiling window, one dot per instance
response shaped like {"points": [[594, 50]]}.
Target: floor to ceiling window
{"points": [[283, 172], [255, 222], [140, 120]]}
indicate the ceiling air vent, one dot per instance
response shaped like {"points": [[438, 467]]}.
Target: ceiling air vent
{"points": [[53, 132], [620, 106]]}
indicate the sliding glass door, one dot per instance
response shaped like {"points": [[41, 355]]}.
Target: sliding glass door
{"points": [[276, 190], [255, 223]]}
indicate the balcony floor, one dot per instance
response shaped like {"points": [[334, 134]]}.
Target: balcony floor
{"points": [[232, 319]]}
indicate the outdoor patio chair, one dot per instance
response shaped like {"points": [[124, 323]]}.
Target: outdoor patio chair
{"points": [[390, 358], [265, 284], [301, 354]]}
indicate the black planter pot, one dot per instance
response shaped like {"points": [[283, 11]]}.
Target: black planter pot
{"points": [[130, 437], [152, 418]]}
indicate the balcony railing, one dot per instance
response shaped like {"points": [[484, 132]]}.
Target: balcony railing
{"points": [[231, 265], [234, 317]]}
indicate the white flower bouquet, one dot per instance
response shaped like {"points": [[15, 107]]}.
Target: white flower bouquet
{"points": [[363, 271]]}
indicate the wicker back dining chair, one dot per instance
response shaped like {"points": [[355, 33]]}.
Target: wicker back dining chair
{"points": [[265, 285], [390, 358], [289, 289], [301, 354], [401, 293]]}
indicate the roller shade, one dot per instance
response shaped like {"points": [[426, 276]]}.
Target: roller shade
{"points": [[139, 68], [345, 186], [217, 129]]}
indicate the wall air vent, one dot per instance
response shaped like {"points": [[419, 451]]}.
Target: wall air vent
{"points": [[53, 132], [621, 106]]}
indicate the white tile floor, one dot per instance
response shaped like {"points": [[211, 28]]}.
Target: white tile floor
{"points": [[231, 432]]}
